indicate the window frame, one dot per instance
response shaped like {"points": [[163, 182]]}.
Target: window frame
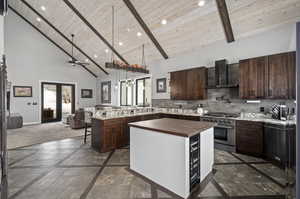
{"points": [[123, 82], [144, 91]]}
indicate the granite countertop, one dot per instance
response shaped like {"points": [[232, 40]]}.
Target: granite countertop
{"points": [[183, 128], [257, 119], [145, 113], [268, 120]]}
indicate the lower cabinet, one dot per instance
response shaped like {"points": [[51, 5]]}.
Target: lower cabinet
{"points": [[111, 134], [249, 137]]}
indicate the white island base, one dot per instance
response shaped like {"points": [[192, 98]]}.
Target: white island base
{"points": [[165, 158]]}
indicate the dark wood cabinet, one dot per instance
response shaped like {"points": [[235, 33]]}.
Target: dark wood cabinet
{"points": [[109, 134], [268, 77], [249, 137], [178, 85], [189, 84], [253, 78], [282, 76]]}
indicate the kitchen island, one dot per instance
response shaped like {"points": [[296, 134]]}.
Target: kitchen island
{"points": [[176, 154]]}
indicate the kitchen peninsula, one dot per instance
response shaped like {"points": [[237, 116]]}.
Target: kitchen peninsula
{"points": [[112, 132], [191, 141]]}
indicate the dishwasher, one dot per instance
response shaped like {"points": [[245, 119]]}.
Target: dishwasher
{"points": [[280, 148]]}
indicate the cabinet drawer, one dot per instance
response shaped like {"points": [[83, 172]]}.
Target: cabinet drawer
{"points": [[113, 122], [249, 124]]}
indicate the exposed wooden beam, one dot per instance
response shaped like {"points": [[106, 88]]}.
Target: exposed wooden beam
{"points": [[94, 30], [223, 12], [48, 38], [145, 28], [64, 36]]}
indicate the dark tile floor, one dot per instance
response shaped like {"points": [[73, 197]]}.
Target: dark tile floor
{"points": [[69, 169]]}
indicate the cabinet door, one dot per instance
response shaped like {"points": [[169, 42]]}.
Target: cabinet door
{"points": [[249, 137], [258, 77], [121, 136], [278, 76], [178, 85], [244, 79], [291, 71], [109, 142], [253, 78], [196, 84]]}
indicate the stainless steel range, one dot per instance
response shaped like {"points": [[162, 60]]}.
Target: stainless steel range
{"points": [[225, 131]]}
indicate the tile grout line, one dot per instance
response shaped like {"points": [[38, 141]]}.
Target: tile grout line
{"points": [[204, 184], [22, 147], [93, 181], [219, 188], [239, 163], [20, 159], [50, 169], [261, 172], [29, 184]]}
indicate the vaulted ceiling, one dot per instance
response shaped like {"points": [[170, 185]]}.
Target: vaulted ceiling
{"points": [[189, 26]]}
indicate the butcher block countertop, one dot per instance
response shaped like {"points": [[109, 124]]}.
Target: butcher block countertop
{"points": [[183, 128]]}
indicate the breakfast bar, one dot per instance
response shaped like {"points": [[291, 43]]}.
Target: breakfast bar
{"points": [[153, 142]]}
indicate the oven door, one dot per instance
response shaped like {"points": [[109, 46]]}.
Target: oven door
{"points": [[224, 135]]}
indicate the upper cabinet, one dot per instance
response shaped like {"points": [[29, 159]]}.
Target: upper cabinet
{"points": [[282, 76], [269, 77], [189, 84], [253, 80]]}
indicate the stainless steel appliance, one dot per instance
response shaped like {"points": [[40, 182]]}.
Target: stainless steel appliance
{"points": [[225, 130]]}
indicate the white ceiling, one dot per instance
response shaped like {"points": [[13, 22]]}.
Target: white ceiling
{"points": [[189, 26]]}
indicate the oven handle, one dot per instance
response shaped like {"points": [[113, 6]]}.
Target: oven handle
{"points": [[224, 127]]}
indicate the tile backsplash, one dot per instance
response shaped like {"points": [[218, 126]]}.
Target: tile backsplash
{"points": [[222, 100]]}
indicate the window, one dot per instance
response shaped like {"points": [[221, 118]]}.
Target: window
{"points": [[126, 94], [143, 91]]}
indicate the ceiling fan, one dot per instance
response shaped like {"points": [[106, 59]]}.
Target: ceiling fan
{"points": [[73, 61]]}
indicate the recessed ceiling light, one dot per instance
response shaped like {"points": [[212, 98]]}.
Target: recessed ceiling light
{"points": [[120, 43], [139, 34], [95, 56], [86, 60], [106, 50], [38, 19], [201, 3], [164, 22], [43, 8]]}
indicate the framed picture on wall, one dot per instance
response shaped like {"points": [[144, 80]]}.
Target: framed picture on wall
{"points": [[22, 91], [161, 85], [86, 93], [106, 92]]}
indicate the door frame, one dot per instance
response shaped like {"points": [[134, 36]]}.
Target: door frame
{"points": [[74, 97]]}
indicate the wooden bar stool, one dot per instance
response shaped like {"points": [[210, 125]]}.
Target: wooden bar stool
{"points": [[88, 123]]}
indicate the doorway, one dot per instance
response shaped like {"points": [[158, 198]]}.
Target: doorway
{"points": [[58, 101]]}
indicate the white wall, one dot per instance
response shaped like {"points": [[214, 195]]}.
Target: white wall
{"points": [[31, 59], [1, 35], [276, 40]]}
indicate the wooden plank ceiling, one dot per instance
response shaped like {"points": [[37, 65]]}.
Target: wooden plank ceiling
{"points": [[189, 26]]}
